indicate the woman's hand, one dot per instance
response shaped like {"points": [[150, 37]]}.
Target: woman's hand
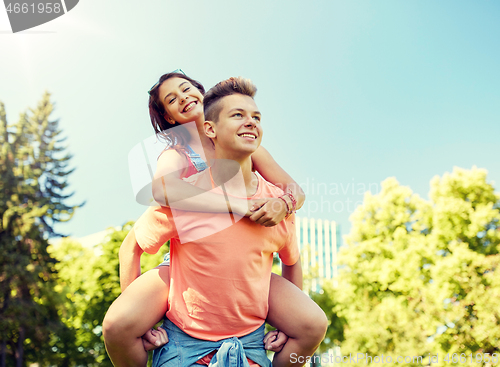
{"points": [[154, 339], [275, 340], [268, 212]]}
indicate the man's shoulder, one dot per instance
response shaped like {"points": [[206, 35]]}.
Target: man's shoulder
{"points": [[267, 189]]}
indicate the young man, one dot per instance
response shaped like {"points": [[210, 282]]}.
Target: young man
{"points": [[220, 281]]}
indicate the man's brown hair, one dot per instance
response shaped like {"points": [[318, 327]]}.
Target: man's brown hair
{"points": [[211, 100]]}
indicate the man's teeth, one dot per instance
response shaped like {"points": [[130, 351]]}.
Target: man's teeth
{"points": [[248, 136]]}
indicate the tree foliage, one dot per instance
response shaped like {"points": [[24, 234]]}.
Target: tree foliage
{"points": [[421, 277], [53, 298], [33, 197], [88, 281]]}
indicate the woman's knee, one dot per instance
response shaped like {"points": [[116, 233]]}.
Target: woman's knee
{"points": [[320, 324], [314, 325], [116, 324], [111, 326]]}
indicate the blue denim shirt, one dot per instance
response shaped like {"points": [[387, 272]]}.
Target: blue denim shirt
{"points": [[183, 350]]}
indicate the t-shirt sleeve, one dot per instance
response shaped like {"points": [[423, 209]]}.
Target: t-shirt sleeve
{"points": [[154, 228], [289, 253]]}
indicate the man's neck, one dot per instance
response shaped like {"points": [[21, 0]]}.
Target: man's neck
{"points": [[226, 171]]}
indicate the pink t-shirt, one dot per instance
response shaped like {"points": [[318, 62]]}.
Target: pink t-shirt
{"points": [[219, 284]]}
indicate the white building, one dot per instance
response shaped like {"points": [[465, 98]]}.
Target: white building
{"points": [[319, 241], [89, 241]]}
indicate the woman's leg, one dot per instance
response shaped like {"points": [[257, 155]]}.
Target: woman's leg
{"points": [[132, 314], [299, 317]]}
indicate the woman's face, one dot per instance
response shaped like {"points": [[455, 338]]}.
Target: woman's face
{"points": [[182, 101]]}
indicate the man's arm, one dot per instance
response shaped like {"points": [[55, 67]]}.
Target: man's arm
{"points": [[152, 229], [130, 260], [293, 273]]}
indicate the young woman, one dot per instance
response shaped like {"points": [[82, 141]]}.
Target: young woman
{"points": [[175, 101]]}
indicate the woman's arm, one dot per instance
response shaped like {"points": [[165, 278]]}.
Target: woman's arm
{"points": [[274, 210], [265, 164], [169, 188]]}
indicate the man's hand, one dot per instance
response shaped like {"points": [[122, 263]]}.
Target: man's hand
{"points": [[154, 339], [275, 340], [268, 212]]}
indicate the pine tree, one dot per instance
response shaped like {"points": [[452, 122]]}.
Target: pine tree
{"points": [[33, 198]]}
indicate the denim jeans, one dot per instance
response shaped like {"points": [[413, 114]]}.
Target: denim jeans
{"points": [[183, 350]]}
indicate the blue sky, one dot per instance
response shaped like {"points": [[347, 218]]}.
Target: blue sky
{"points": [[351, 92]]}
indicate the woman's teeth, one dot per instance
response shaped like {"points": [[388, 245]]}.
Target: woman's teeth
{"points": [[189, 107]]}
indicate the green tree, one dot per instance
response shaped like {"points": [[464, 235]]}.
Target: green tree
{"points": [[465, 228], [33, 197], [89, 283], [419, 276], [327, 301]]}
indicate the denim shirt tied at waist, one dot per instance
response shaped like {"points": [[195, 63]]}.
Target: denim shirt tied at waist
{"points": [[183, 350]]}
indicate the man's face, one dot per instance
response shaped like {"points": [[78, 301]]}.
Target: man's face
{"points": [[238, 130]]}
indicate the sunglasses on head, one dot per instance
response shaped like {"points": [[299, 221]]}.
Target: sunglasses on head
{"points": [[158, 82]]}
